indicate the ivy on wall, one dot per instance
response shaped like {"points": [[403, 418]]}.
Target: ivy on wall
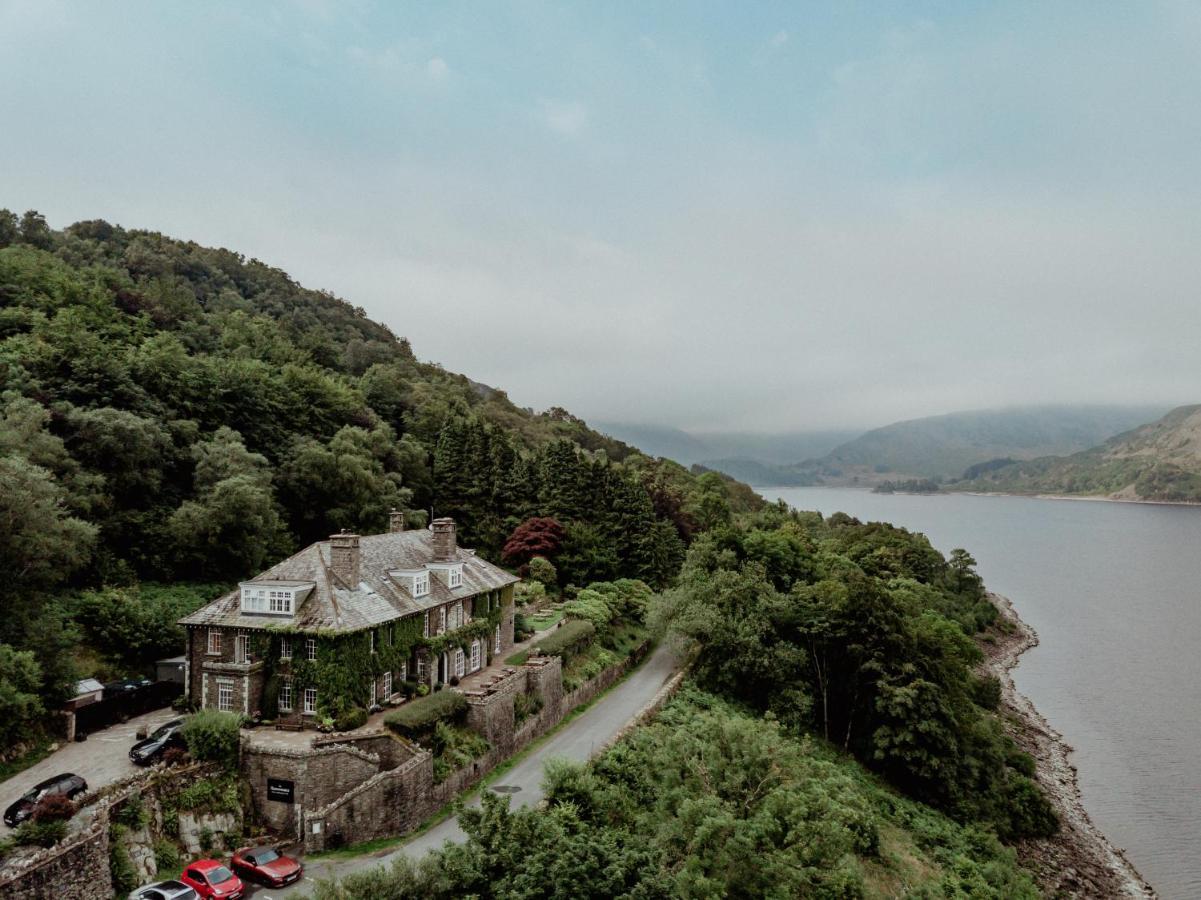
{"points": [[345, 666]]}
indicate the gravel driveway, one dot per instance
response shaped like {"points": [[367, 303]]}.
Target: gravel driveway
{"points": [[102, 759]]}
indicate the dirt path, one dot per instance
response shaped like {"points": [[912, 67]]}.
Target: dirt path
{"points": [[1079, 861]]}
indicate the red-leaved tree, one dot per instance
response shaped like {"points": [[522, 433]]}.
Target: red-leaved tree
{"points": [[540, 536]]}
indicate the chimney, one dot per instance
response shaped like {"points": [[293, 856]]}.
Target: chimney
{"points": [[444, 539], [396, 520], [344, 558]]}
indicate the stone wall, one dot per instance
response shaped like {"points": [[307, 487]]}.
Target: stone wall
{"points": [[319, 775], [76, 869], [397, 800]]}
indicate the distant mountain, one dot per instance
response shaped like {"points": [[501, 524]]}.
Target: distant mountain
{"points": [[1157, 461], [729, 451], [658, 440], [942, 447]]}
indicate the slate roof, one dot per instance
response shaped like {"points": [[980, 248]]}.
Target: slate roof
{"points": [[330, 605]]}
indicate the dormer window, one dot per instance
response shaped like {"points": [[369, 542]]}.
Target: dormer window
{"points": [[269, 599], [421, 584], [456, 578]]}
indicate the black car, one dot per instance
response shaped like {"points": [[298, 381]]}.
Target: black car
{"points": [[71, 785], [152, 748]]}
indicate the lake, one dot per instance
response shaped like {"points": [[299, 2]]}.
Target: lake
{"points": [[1114, 591]]}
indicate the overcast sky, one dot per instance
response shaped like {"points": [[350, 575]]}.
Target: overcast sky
{"points": [[714, 216]]}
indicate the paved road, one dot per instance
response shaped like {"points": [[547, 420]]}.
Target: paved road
{"points": [[579, 740], [102, 759]]}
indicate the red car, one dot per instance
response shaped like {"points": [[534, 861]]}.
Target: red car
{"points": [[211, 879], [266, 866]]}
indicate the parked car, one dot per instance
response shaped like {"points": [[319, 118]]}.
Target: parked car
{"points": [[210, 879], [69, 784], [151, 749], [266, 865], [165, 890]]}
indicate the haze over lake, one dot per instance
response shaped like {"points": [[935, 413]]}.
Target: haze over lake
{"points": [[1114, 591]]}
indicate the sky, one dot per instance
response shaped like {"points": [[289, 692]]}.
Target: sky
{"points": [[767, 217]]}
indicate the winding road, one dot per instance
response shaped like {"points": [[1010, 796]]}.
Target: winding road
{"points": [[579, 740]]}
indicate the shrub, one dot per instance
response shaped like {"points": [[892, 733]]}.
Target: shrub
{"points": [[522, 628], [41, 834], [53, 808], [454, 680], [166, 857], [205, 838], [542, 572], [213, 736], [568, 639], [526, 705], [528, 592], [120, 866], [175, 756], [591, 606], [420, 716], [132, 814], [350, 719], [209, 795]]}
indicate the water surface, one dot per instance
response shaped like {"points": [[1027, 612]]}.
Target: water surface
{"points": [[1114, 591]]}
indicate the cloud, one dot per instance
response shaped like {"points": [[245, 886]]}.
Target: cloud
{"points": [[437, 69], [566, 118], [779, 39]]}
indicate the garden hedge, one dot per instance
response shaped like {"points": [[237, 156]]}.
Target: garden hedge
{"points": [[420, 715], [568, 639]]}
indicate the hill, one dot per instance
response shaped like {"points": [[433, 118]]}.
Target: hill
{"points": [[942, 447], [751, 457], [1158, 461], [175, 417]]}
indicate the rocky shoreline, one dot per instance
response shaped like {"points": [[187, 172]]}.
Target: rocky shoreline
{"points": [[1079, 861]]}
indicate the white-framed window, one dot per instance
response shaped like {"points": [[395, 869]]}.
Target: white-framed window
{"points": [[310, 648], [374, 698], [387, 685], [242, 648], [404, 671], [267, 600], [215, 641], [456, 578], [225, 697], [460, 661], [441, 619], [425, 625], [475, 655], [285, 648], [285, 695], [281, 601], [310, 701], [421, 669], [373, 642], [496, 640], [421, 584]]}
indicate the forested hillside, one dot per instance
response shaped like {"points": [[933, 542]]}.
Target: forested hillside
{"points": [[175, 417], [1158, 461]]}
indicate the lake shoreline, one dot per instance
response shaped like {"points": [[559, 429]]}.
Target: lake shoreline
{"points": [[1079, 861]]}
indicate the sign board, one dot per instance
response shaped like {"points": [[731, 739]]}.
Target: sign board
{"points": [[283, 791]]}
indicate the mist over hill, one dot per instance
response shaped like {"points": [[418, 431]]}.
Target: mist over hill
{"points": [[943, 447], [1159, 461], [728, 451]]}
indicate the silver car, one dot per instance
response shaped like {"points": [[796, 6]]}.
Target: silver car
{"points": [[165, 890]]}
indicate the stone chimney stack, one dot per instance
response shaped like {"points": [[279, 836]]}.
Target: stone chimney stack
{"points": [[344, 558], [396, 520], [444, 539]]}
